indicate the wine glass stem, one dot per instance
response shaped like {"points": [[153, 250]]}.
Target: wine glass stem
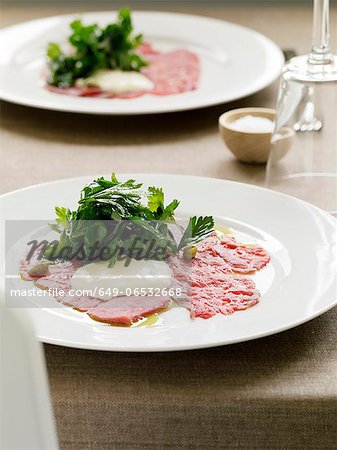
{"points": [[320, 50]]}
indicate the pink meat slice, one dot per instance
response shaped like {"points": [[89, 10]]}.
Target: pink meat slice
{"points": [[170, 72], [241, 258], [205, 265], [53, 282], [127, 310], [231, 255], [64, 270], [206, 256], [197, 273], [209, 283], [208, 291], [232, 294], [26, 265], [91, 92], [58, 282], [82, 304], [58, 277], [60, 287], [173, 72], [24, 268]]}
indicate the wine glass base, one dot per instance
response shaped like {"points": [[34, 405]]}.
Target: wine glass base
{"points": [[300, 69]]}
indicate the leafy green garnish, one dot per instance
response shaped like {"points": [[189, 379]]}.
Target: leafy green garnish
{"points": [[114, 214], [156, 204], [198, 228], [104, 200], [93, 48]]}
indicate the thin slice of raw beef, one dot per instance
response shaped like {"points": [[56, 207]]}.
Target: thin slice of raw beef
{"points": [[210, 284], [91, 92], [127, 310], [206, 290], [232, 294], [241, 258], [58, 277], [82, 304], [25, 267], [31, 262], [173, 72]]}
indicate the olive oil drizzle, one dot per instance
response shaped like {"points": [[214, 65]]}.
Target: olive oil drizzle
{"points": [[148, 321]]}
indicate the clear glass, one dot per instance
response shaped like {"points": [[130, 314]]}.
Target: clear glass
{"points": [[303, 156]]}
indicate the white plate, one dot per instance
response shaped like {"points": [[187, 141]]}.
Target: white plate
{"points": [[236, 62], [299, 285]]}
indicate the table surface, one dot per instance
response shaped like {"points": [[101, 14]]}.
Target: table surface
{"points": [[276, 392]]}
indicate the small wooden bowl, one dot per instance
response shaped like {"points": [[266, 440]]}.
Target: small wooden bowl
{"points": [[249, 146]]}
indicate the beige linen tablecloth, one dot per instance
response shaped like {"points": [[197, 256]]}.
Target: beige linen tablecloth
{"points": [[278, 392]]}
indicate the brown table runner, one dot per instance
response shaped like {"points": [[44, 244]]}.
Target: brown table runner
{"points": [[276, 392]]}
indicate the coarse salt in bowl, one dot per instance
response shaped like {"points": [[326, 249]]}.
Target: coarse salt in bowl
{"points": [[255, 124], [247, 133]]}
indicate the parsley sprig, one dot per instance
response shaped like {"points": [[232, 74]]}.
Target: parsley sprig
{"points": [[116, 212], [94, 47]]}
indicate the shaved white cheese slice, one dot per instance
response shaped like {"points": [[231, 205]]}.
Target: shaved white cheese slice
{"points": [[117, 81]]}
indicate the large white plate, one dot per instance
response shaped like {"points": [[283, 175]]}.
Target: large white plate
{"points": [[236, 62], [299, 285]]}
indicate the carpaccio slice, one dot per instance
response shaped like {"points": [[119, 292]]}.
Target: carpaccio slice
{"points": [[232, 255], [58, 277], [173, 72], [24, 268], [241, 258], [127, 310], [26, 265], [232, 294], [210, 284], [82, 304], [170, 72], [92, 92], [57, 281], [206, 293]]}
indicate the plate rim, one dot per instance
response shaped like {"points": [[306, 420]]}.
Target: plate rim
{"points": [[264, 82], [182, 347]]}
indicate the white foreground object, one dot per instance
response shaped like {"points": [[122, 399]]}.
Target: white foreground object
{"points": [[118, 81], [26, 415]]}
